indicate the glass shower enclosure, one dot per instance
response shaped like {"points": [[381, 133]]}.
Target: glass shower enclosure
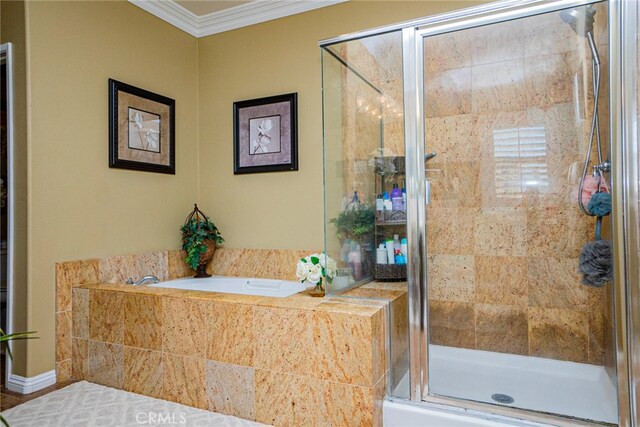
{"points": [[495, 123]]}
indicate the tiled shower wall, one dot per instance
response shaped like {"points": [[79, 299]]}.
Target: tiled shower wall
{"points": [[503, 254], [502, 262]]}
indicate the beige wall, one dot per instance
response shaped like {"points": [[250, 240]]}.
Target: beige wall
{"points": [[12, 29], [276, 210], [79, 208]]}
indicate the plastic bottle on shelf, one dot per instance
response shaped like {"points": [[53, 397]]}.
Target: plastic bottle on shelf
{"points": [[404, 196], [396, 243], [386, 201], [396, 198], [381, 254], [390, 255], [379, 203], [403, 246]]}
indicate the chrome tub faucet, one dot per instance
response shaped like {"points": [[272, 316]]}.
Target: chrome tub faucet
{"points": [[144, 281]]}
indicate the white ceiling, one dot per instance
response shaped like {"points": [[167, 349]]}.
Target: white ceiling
{"points": [[206, 17]]}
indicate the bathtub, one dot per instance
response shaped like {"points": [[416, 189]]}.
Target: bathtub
{"points": [[236, 285]]}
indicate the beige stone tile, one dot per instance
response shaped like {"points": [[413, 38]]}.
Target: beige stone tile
{"points": [[183, 380], [450, 231], [80, 316], [347, 404], [274, 346], [118, 269], [379, 394], [183, 326], [502, 280], [63, 371], [105, 364], [380, 342], [498, 87], [106, 316], [455, 184], [258, 263], [447, 51], [501, 232], [343, 346], [231, 390], [549, 78], [555, 283], [143, 321], [374, 293], [399, 326], [72, 273], [452, 323], [288, 400], [557, 231], [80, 358], [63, 336], [300, 300], [143, 371], [177, 267], [452, 138], [448, 92], [355, 306], [562, 127], [502, 329], [545, 35], [230, 333], [451, 277], [391, 286], [559, 334], [498, 42]]}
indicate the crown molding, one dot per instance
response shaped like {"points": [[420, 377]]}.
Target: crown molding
{"points": [[235, 17]]}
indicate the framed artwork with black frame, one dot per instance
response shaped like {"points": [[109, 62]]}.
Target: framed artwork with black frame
{"points": [[141, 129], [265, 134]]}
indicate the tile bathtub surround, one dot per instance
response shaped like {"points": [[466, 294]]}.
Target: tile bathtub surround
{"points": [[166, 265], [259, 358]]}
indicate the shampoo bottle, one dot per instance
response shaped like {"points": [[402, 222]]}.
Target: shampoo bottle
{"points": [[396, 198], [390, 255], [386, 201], [381, 254]]}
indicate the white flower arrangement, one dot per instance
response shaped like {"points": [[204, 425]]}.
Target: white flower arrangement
{"points": [[315, 267]]}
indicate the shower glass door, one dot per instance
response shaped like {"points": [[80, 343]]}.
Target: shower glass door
{"points": [[513, 111]]}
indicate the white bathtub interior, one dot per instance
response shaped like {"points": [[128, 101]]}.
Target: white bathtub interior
{"points": [[544, 385], [236, 285]]}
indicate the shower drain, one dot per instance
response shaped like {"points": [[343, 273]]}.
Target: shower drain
{"points": [[502, 398]]}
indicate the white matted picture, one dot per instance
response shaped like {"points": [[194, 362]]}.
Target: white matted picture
{"points": [[265, 134], [144, 130]]}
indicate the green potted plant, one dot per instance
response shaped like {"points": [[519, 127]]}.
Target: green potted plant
{"points": [[356, 222], [199, 238]]}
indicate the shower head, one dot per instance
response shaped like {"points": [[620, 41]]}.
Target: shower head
{"points": [[580, 19]]}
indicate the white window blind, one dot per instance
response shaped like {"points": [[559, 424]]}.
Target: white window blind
{"points": [[520, 161]]}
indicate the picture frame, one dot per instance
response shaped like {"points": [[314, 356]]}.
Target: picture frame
{"points": [[265, 134], [141, 129]]}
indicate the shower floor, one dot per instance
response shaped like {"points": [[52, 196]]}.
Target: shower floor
{"points": [[545, 385]]}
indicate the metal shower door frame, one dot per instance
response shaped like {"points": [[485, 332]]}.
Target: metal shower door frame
{"points": [[624, 172]]}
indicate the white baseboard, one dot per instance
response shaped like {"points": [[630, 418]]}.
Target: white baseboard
{"points": [[24, 385]]}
